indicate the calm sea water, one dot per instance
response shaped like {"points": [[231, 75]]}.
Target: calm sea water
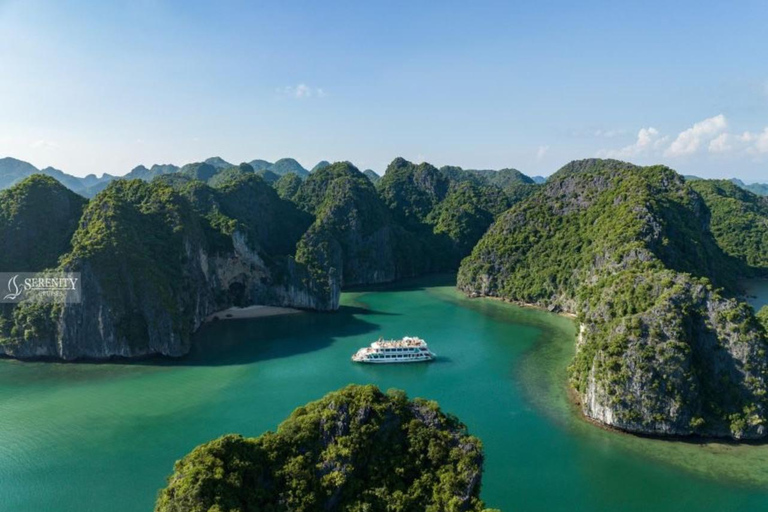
{"points": [[83, 437], [757, 292]]}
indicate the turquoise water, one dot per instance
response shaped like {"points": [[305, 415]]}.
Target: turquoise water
{"points": [[757, 293], [104, 436]]}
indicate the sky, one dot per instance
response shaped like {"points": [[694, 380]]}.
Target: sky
{"points": [[93, 87]]}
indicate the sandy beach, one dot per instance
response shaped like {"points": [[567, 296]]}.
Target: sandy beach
{"points": [[250, 312]]}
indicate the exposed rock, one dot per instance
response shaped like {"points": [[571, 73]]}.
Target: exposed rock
{"points": [[632, 252], [153, 267]]}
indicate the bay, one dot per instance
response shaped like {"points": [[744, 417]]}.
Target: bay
{"points": [[81, 437]]}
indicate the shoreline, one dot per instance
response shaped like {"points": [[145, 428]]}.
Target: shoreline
{"points": [[529, 305], [249, 312]]}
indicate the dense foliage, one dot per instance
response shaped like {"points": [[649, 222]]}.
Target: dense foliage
{"points": [[516, 185], [738, 220], [229, 174], [198, 171], [37, 219], [353, 231], [635, 253], [762, 316], [449, 209], [356, 449], [760, 189], [287, 186], [157, 257], [465, 214]]}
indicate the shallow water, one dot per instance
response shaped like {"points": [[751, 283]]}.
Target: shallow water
{"points": [[105, 436]]}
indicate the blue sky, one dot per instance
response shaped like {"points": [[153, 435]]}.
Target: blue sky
{"points": [[103, 86]]}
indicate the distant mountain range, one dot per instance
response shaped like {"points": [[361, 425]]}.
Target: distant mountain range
{"points": [[13, 171], [760, 189]]}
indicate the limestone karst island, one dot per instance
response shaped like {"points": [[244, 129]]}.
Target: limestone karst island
{"points": [[383, 257]]}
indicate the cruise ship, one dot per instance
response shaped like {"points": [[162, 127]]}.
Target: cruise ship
{"points": [[406, 350]]}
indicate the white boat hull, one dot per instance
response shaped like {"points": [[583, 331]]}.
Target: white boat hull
{"points": [[424, 359], [406, 350]]}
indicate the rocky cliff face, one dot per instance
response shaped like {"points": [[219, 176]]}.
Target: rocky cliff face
{"points": [[663, 349], [143, 325], [155, 264], [691, 362]]}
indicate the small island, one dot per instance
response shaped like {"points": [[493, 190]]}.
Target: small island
{"points": [[354, 449]]}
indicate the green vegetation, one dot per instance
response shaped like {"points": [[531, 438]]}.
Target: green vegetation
{"points": [[287, 186], [738, 220], [269, 176], [156, 257], [371, 175], [412, 191], [37, 219], [288, 165], [198, 171], [12, 171], [142, 173], [272, 225], [356, 449], [635, 253], [218, 163], [132, 241], [449, 209], [283, 167], [465, 214], [761, 189], [319, 165], [353, 231], [516, 185], [230, 174], [762, 316], [415, 221]]}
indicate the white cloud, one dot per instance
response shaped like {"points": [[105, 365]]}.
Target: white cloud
{"points": [[609, 134], [541, 152], [721, 144], [648, 140], [44, 144], [747, 142], [302, 91], [689, 141], [761, 141], [709, 135]]}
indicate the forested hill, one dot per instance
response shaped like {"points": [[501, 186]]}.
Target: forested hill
{"points": [[354, 449], [157, 257], [37, 219], [13, 171], [155, 260], [650, 265]]}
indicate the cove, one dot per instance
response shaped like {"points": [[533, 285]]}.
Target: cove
{"points": [[81, 437]]}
